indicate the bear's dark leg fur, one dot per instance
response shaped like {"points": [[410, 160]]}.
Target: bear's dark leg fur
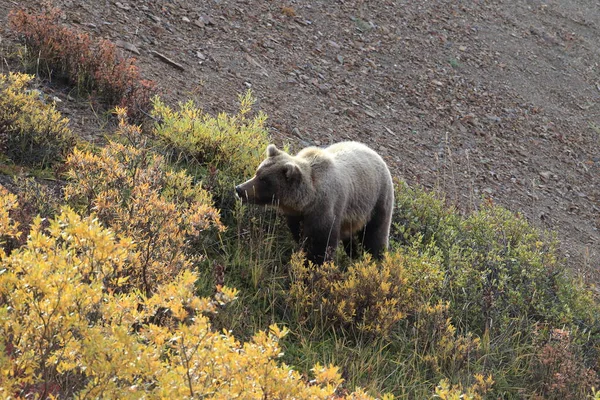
{"points": [[293, 222], [321, 239], [375, 234], [352, 246]]}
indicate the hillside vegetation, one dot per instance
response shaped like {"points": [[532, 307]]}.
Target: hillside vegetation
{"points": [[138, 274]]}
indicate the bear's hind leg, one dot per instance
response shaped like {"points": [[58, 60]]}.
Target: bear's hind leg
{"points": [[375, 234]]}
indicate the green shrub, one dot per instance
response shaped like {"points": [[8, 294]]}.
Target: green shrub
{"points": [[498, 267], [32, 132], [422, 216], [223, 150]]}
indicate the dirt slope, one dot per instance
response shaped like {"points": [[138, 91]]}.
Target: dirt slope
{"points": [[477, 98]]}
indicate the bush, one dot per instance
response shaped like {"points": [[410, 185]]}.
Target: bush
{"points": [[477, 391], [225, 150], [32, 132], [67, 331], [423, 217], [9, 228], [367, 297], [443, 350], [134, 192], [498, 267], [558, 371], [503, 279], [66, 53]]}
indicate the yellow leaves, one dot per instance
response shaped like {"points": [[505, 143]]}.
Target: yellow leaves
{"points": [[136, 194], [35, 133], [370, 296], [482, 383], [477, 391], [59, 319], [8, 227], [327, 375], [278, 333]]}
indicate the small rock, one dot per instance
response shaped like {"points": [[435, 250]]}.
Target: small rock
{"points": [[545, 176], [167, 60], [122, 6], [333, 44], [340, 59], [371, 114], [185, 19], [462, 48], [207, 20], [127, 46]]}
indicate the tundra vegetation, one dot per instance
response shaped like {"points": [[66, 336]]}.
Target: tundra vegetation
{"points": [[139, 274]]}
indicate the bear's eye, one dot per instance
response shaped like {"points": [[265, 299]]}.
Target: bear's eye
{"points": [[264, 181]]}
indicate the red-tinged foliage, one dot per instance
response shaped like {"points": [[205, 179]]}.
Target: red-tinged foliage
{"points": [[91, 65]]}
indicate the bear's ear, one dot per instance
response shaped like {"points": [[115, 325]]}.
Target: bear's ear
{"points": [[272, 151], [292, 172]]}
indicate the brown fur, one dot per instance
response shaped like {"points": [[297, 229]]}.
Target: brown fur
{"points": [[327, 195]]}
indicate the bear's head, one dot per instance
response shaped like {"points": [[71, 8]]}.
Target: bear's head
{"points": [[281, 180]]}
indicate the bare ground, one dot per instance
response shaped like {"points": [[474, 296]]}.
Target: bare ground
{"points": [[496, 99]]}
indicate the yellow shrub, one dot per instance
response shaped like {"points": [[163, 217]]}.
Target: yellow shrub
{"points": [[369, 296], [476, 391], [31, 131], [8, 227], [442, 348], [133, 191], [64, 332]]}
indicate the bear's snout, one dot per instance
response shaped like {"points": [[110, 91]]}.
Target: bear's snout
{"points": [[246, 192], [241, 193]]}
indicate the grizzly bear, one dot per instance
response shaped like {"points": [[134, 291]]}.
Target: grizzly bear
{"points": [[327, 195]]}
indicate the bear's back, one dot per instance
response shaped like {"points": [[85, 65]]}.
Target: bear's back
{"points": [[351, 162], [358, 158]]}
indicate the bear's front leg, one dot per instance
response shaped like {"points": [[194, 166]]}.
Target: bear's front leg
{"points": [[293, 222], [322, 235]]}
